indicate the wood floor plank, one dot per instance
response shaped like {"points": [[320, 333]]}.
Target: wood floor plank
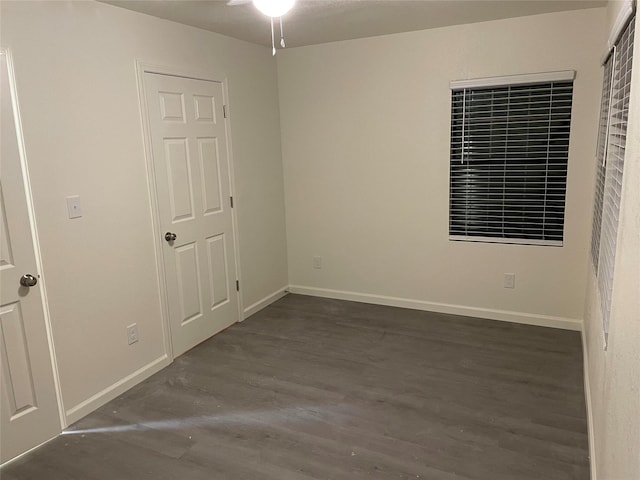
{"points": [[312, 388]]}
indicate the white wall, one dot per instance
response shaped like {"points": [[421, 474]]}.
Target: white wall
{"points": [[614, 374], [76, 81], [365, 141]]}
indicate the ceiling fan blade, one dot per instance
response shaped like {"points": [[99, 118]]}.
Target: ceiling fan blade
{"points": [[233, 3]]}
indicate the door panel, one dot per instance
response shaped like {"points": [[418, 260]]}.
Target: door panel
{"points": [[189, 284], [172, 106], [218, 270], [179, 181], [205, 108], [210, 168], [6, 256], [16, 362], [191, 167], [28, 403]]}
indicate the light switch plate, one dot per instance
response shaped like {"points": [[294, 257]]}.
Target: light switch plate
{"points": [[73, 206]]}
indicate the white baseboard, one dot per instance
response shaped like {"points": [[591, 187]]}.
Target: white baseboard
{"points": [[503, 315], [587, 396], [265, 302], [23, 454], [84, 408], [89, 405]]}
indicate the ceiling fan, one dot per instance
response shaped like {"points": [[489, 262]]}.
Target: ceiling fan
{"points": [[272, 9]]}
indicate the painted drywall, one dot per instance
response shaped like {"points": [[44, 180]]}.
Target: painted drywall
{"points": [[365, 141], [76, 80], [614, 375]]}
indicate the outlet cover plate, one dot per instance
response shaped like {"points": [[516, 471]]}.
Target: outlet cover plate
{"points": [[73, 207], [132, 333], [509, 280]]}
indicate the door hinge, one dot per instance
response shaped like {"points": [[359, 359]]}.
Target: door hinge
{"points": [[237, 285], [231, 200], [225, 111]]}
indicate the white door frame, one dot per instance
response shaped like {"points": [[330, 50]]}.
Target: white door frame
{"points": [[5, 51], [195, 74]]}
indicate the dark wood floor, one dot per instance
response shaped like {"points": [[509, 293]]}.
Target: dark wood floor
{"points": [[312, 388]]}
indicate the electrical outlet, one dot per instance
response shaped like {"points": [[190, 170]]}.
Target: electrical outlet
{"points": [[132, 333], [317, 262], [509, 280], [73, 207]]}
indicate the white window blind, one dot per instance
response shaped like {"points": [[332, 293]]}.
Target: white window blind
{"points": [[614, 157], [508, 165], [601, 156]]}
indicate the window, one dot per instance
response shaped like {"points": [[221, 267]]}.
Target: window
{"points": [[509, 155], [611, 158]]}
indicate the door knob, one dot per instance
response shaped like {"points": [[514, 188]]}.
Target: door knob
{"points": [[28, 280], [170, 237]]}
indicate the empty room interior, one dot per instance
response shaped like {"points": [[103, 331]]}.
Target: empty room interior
{"points": [[320, 239]]}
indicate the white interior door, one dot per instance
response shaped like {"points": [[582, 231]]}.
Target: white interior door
{"points": [[29, 407], [191, 166]]}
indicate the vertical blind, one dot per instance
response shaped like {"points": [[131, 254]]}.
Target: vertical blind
{"points": [[508, 167], [616, 136]]}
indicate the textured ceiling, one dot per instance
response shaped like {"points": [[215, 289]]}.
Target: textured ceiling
{"points": [[321, 21]]}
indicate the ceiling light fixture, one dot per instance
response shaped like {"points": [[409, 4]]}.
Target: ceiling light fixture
{"points": [[274, 9]]}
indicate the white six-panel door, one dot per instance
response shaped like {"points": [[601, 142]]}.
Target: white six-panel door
{"points": [[192, 178], [28, 402]]}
